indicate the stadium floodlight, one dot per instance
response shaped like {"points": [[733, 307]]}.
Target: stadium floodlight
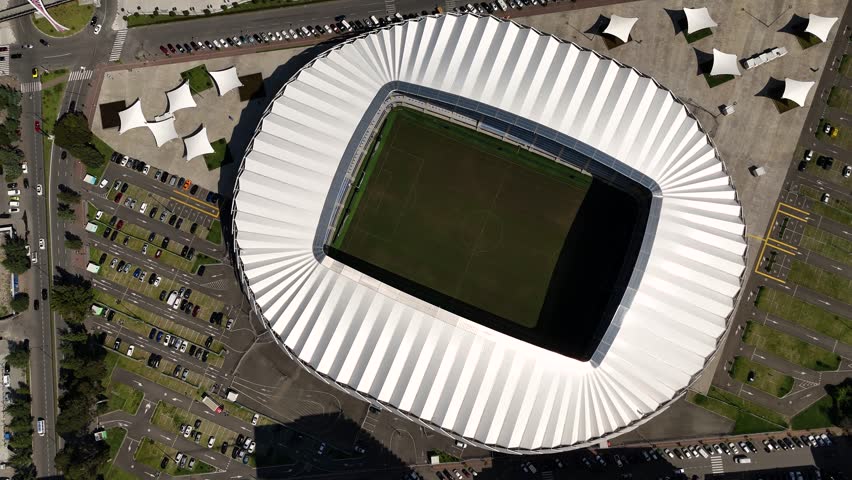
{"points": [[478, 384], [39, 6]]}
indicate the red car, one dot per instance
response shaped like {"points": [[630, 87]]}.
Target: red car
{"points": [[163, 49], [37, 126], [119, 224], [195, 310], [117, 197], [159, 252]]}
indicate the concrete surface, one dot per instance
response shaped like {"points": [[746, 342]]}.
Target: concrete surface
{"points": [[151, 83]]}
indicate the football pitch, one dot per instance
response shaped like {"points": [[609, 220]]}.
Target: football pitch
{"points": [[460, 218]]}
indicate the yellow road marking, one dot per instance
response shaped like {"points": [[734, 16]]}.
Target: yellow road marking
{"points": [[195, 208], [794, 208], [194, 199], [769, 276], [776, 247], [782, 243], [793, 216]]}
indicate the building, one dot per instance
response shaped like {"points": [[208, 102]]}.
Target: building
{"points": [[472, 383]]}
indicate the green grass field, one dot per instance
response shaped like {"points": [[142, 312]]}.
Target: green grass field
{"points": [[815, 416], [219, 156], [808, 315], [50, 100], [823, 281], [150, 453], [48, 76], [459, 212], [123, 397], [843, 137], [790, 348], [199, 79], [767, 379], [827, 245], [748, 417], [841, 98], [846, 66], [71, 15]]}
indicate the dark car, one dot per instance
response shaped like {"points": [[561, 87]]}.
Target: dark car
{"points": [[165, 242], [179, 222], [35, 304], [208, 342], [151, 236], [235, 452], [159, 336], [153, 213], [119, 225], [164, 463], [171, 48], [180, 181], [151, 279], [192, 349], [187, 48], [209, 45], [120, 266], [44, 294], [187, 293], [162, 295], [172, 219], [224, 447], [194, 46], [198, 353], [201, 270], [125, 241], [184, 250], [152, 334], [117, 198], [803, 165], [116, 344], [111, 315], [215, 198], [124, 187], [102, 259], [44, 42], [176, 371], [164, 177], [112, 221], [193, 228], [190, 254], [240, 439], [193, 190], [209, 196], [93, 21], [195, 312], [182, 304], [204, 356], [107, 232], [114, 234], [72, 107]]}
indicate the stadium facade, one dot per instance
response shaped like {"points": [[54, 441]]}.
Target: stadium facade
{"points": [[436, 368]]}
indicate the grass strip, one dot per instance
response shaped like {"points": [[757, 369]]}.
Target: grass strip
{"points": [[198, 77], [827, 245], [151, 453], [811, 316], [815, 416], [215, 233], [50, 100], [123, 397], [767, 379], [822, 281], [71, 15], [48, 76], [790, 348], [841, 98], [141, 20]]}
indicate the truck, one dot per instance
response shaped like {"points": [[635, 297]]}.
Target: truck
{"points": [[212, 404], [172, 297]]}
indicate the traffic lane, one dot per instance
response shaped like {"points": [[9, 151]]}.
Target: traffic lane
{"points": [[811, 336], [827, 303], [158, 308], [772, 361]]}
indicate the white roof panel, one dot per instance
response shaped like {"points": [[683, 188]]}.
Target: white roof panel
{"points": [[197, 144], [226, 80], [131, 117], [620, 27], [724, 64], [796, 91], [698, 19], [820, 27]]}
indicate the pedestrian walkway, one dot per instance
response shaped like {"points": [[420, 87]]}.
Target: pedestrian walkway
{"points": [[118, 45], [30, 87], [716, 465], [4, 60], [80, 75]]}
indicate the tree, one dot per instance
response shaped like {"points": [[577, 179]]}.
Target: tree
{"points": [[16, 260], [67, 195], [11, 159], [841, 408], [72, 130], [65, 212], [20, 303], [73, 241], [71, 297], [89, 155], [19, 354]]}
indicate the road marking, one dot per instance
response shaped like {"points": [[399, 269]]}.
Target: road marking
{"points": [[717, 466], [80, 75], [31, 87], [118, 45]]}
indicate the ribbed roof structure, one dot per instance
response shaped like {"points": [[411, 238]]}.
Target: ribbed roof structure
{"points": [[423, 362]]}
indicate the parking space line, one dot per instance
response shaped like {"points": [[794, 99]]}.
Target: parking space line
{"points": [[794, 208]]}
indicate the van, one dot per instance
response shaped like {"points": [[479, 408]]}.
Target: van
{"points": [[14, 203], [13, 192], [375, 20], [40, 427], [346, 25], [742, 459]]}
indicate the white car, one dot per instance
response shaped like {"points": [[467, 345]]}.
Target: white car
{"points": [[99, 214], [130, 351], [146, 169], [183, 346], [14, 210], [103, 183], [255, 418], [143, 207], [6, 380], [35, 258], [157, 282], [40, 427], [41, 244], [223, 42], [847, 171], [251, 447], [124, 160], [97, 29], [24, 167], [39, 190], [211, 441], [217, 44], [825, 197]]}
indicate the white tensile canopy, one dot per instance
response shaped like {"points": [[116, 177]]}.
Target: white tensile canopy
{"points": [[180, 98], [164, 130], [620, 27], [796, 91], [226, 80], [820, 27], [724, 64], [131, 117], [197, 144], [698, 19]]}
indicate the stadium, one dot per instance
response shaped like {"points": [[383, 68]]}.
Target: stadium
{"points": [[500, 235]]}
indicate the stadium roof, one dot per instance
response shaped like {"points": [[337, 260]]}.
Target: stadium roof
{"points": [[226, 80], [163, 130], [180, 98], [619, 27], [423, 362], [724, 64], [197, 144], [698, 19], [820, 27], [132, 117], [796, 91]]}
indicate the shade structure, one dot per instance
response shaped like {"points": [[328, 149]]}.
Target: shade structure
{"points": [[131, 117], [698, 19], [180, 98], [724, 64], [425, 363], [197, 144], [796, 91], [226, 80], [164, 130], [619, 27], [820, 27]]}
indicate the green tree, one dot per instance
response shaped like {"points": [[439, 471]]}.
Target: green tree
{"points": [[72, 130], [20, 303], [72, 299], [19, 354], [16, 260], [65, 212], [10, 159], [841, 408], [73, 241], [89, 155], [67, 195]]}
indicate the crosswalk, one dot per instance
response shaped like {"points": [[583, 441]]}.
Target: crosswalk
{"points": [[31, 87], [4, 60], [118, 45], [80, 75], [716, 464], [548, 475]]}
